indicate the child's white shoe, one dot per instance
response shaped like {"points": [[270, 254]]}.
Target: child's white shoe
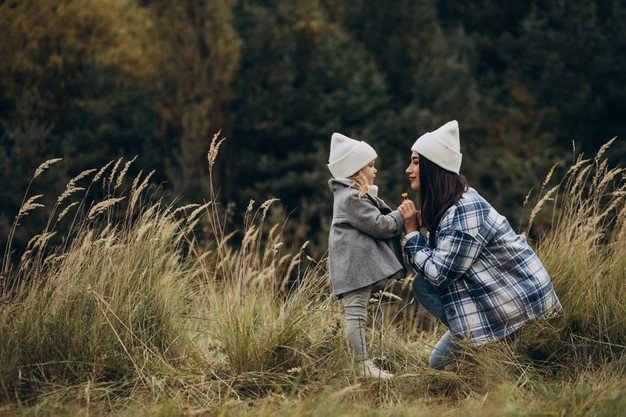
{"points": [[368, 369]]}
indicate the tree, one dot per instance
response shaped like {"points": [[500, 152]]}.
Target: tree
{"points": [[301, 78], [74, 84], [552, 68], [570, 56], [197, 56]]}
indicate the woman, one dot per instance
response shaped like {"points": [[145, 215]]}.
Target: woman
{"points": [[474, 273]]}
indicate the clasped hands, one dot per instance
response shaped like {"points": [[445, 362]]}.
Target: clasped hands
{"points": [[411, 216]]}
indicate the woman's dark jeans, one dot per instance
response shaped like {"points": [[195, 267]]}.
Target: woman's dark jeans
{"points": [[446, 350]]}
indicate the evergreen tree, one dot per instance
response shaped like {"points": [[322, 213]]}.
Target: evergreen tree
{"points": [[74, 84], [197, 54], [430, 71], [301, 78], [570, 56]]}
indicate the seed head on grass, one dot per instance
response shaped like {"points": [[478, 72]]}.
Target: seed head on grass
{"points": [[378, 296], [197, 212], [580, 162], [192, 220], [185, 207], [69, 190], [604, 148], [547, 197], [214, 149], [30, 205], [40, 240], [607, 178], [120, 177], [114, 170], [136, 191], [248, 217], [45, 166], [100, 173], [66, 210], [266, 205], [103, 206]]}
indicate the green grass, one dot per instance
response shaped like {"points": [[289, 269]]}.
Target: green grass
{"points": [[130, 315]]}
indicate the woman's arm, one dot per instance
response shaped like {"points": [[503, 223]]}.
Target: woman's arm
{"points": [[454, 253]]}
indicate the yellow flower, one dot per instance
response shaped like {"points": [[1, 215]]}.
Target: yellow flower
{"points": [[405, 195]]}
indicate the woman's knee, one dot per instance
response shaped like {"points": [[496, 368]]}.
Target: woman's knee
{"points": [[418, 286], [429, 298]]}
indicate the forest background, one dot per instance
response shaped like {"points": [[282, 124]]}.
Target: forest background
{"points": [[531, 83]]}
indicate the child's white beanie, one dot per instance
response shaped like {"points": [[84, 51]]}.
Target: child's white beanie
{"points": [[442, 146], [348, 156]]}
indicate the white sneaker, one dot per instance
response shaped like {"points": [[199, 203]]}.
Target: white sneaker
{"points": [[368, 369]]}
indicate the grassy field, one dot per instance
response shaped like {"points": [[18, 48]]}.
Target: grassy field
{"points": [[129, 315]]}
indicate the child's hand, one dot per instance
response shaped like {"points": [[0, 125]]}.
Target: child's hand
{"points": [[410, 215]]}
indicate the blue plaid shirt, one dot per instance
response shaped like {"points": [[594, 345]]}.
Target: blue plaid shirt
{"points": [[490, 280]]}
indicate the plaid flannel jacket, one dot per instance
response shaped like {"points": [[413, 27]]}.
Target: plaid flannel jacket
{"points": [[490, 280]]}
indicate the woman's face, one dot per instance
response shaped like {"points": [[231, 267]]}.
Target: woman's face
{"points": [[370, 172], [413, 171]]}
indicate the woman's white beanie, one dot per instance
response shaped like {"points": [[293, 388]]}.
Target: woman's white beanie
{"points": [[348, 156], [442, 146]]}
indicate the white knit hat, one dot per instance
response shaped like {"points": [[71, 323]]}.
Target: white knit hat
{"points": [[348, 156], [442, 146]]}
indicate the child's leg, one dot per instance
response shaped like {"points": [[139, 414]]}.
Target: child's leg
{"points": [[355, 308]]}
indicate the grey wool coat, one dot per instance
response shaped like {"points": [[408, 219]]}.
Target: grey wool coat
{"points": [[364, 239]]}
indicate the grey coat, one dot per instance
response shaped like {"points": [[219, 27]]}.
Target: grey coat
{"points": [[364, 239]]}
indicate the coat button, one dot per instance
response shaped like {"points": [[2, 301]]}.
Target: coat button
{"points": [[451, 312]]}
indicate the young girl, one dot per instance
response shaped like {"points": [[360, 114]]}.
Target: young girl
{"points": [[474, 273], [364, 240]]}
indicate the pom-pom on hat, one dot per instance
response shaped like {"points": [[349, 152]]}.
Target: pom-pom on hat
{"points": [[348, 156], [442, 147]]}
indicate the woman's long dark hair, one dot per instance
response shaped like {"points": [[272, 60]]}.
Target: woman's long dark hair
{"points": [[439, 190]]}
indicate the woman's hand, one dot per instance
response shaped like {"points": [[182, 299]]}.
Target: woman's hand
{"points": [[410, 214]]}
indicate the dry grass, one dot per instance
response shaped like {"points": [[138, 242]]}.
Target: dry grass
{"points": [[132, 316]]}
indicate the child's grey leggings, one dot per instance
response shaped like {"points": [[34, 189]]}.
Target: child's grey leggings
{"points": [[355, 308]]}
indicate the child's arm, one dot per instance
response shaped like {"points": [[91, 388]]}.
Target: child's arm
{"points": [[365, 216]]}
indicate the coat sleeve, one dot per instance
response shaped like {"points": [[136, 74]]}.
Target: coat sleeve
{"points": [[453, 255], [458, 244], [365, 216]]}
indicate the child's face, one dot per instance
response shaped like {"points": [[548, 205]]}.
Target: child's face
{"points": [[370, 172]]}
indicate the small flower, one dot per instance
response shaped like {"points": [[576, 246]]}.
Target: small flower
{"points": [[405, 195]]}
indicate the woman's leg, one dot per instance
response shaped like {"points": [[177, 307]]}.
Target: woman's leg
{"points": [[428, 296], [355, 308], [444, 352]]}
